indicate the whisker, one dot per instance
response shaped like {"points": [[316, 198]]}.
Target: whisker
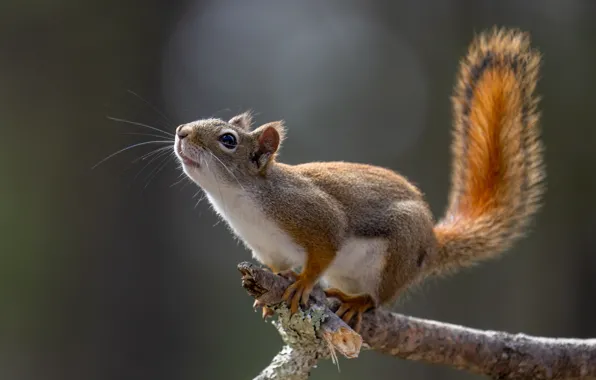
{"points": [[130, 147], [201, 198], [147, 155], [157, 156], [181, 177], [144, 134], [186, 184], [177, 182], [140, 125], [149, 177], [152, 106], [159, 168]]}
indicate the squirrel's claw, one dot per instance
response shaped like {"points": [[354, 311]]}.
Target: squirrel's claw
{"points": [[297, 293], [266, 310], [347, 312], [351, 306]]}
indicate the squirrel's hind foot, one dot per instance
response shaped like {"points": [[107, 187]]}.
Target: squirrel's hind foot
{"points": [[352, 307]]}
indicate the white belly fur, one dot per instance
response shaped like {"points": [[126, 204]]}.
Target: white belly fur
{"points": [[269, 243], [357, 266], [354, 270]]}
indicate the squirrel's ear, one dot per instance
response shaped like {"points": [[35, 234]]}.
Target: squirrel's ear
{"points": [[269, 137], [243, 120]]}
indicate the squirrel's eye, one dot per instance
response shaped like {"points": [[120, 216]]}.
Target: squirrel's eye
{"points": [[228, 140]]}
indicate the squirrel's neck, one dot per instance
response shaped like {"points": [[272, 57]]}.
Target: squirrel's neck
{"points": [[246, 204], [253, 186]]}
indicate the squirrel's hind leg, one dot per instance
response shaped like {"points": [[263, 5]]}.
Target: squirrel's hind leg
{"points": [[412, 246]]}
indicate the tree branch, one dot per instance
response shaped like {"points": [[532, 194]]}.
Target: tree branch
{"points": [[318, 333]]}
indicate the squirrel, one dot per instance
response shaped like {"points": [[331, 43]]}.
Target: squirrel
{"points": [[366, 231]]}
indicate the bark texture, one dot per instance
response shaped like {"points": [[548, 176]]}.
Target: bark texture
{"points": [[318, 333]]}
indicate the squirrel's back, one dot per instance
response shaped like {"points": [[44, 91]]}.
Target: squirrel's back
{"points": [[498, 172], [358, 181], [365, 193]]}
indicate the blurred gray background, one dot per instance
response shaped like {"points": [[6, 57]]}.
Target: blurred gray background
{"points": [[112, 274]]}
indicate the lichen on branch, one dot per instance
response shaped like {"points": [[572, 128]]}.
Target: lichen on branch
{"points": [[318, 333]]}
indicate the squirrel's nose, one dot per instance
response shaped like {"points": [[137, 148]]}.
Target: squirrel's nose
{"points": [[182, 131]]}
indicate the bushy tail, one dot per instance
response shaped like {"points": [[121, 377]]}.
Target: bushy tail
{"points": [[498, 173]]}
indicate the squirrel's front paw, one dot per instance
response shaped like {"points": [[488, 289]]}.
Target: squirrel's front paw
{"points": [[297, 294]]}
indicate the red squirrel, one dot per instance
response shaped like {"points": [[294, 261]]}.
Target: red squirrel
{"points": [[364, 230]]}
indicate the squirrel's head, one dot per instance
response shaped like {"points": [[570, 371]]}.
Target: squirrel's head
{"points": [[216, 150]]}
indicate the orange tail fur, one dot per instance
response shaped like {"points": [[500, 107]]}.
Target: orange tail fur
{"points": [[498, 171]]}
